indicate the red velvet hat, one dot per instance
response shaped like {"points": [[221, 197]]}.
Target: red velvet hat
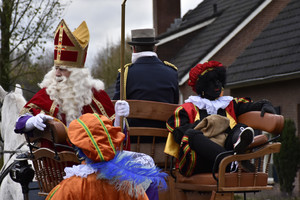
{"points": [[200, 70], [70, 48]]}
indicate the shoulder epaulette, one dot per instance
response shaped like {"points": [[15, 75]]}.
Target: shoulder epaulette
{"points": [[171, 65], [127, 65]]}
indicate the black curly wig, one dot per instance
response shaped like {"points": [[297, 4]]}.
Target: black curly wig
{"points": [[210, 84]]}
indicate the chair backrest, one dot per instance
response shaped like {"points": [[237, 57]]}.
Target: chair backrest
{"points": [[49, 163], [49, 167], [55, 131], [151, 110]]}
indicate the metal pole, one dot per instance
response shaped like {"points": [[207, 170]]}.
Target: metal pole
{"points": [[122, 61]]}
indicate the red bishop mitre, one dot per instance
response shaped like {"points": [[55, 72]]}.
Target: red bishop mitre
{"points": [[70, 48]]}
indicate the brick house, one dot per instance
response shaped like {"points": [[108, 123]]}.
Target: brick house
{"points": [[258, 40]]}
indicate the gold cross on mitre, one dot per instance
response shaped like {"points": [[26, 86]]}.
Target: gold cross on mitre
{"points": [[70, 48]]}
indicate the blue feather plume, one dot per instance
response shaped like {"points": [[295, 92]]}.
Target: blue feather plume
{"points": [[124, 168]]}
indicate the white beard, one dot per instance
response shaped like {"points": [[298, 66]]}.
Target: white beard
{"points": [[72, 93]]}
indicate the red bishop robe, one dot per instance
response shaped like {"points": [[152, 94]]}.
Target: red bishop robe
{"points": [[101, 104], [41, 101]]}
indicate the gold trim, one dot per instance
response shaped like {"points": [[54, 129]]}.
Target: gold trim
{"points": [[93, 109], [101, 108], [31, 106], [125, 81], [52, 108], [126, 68], [82, 33], [171, 65], [24, 111], [112, 117]]}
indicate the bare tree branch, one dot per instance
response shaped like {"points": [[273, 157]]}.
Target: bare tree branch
{"points": [[25, 25]]}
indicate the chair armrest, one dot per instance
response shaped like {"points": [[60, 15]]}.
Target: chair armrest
{"points": [[270, 123], [58, 129], [259, 140], [265, 150]]}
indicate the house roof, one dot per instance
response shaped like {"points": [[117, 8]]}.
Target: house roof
{"points": [[230, 13], [274, 54]]}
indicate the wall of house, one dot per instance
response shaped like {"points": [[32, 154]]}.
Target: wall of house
{"points": [[283, 94]]}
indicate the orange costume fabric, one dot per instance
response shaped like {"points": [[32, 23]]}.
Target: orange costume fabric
{"points": [[101, 176], [89, 188], [96, 136]]}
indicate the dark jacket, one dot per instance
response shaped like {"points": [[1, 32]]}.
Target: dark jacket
{"points": [[150, 79]]}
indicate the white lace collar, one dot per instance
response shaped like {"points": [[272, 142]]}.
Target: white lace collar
{"points": [[81, 170], [136, 56], [210, 106]]}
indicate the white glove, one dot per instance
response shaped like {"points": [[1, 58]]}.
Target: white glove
{"points": [[121, 110], [37, 121]]}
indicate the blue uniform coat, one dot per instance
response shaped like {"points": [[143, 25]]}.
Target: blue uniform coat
{"points": [[150, 79]]}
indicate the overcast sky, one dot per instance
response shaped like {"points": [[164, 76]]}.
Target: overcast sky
{"points": [[103, 18]]}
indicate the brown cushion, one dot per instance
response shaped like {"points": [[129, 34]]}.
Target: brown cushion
{"points": [[270, 123]]}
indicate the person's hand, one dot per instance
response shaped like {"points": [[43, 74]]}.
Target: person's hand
{"points": [[267, 108], [37, 121], [121, 108]]}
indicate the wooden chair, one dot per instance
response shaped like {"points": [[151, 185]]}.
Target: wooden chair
{"points": [[222, 184], [49, 163], [49, 167], [151, 110]]}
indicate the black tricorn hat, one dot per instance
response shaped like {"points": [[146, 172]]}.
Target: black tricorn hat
{"points": [[143, 37]]}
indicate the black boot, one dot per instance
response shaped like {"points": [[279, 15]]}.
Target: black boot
{"points": [[242, 137], [245, 138]]}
